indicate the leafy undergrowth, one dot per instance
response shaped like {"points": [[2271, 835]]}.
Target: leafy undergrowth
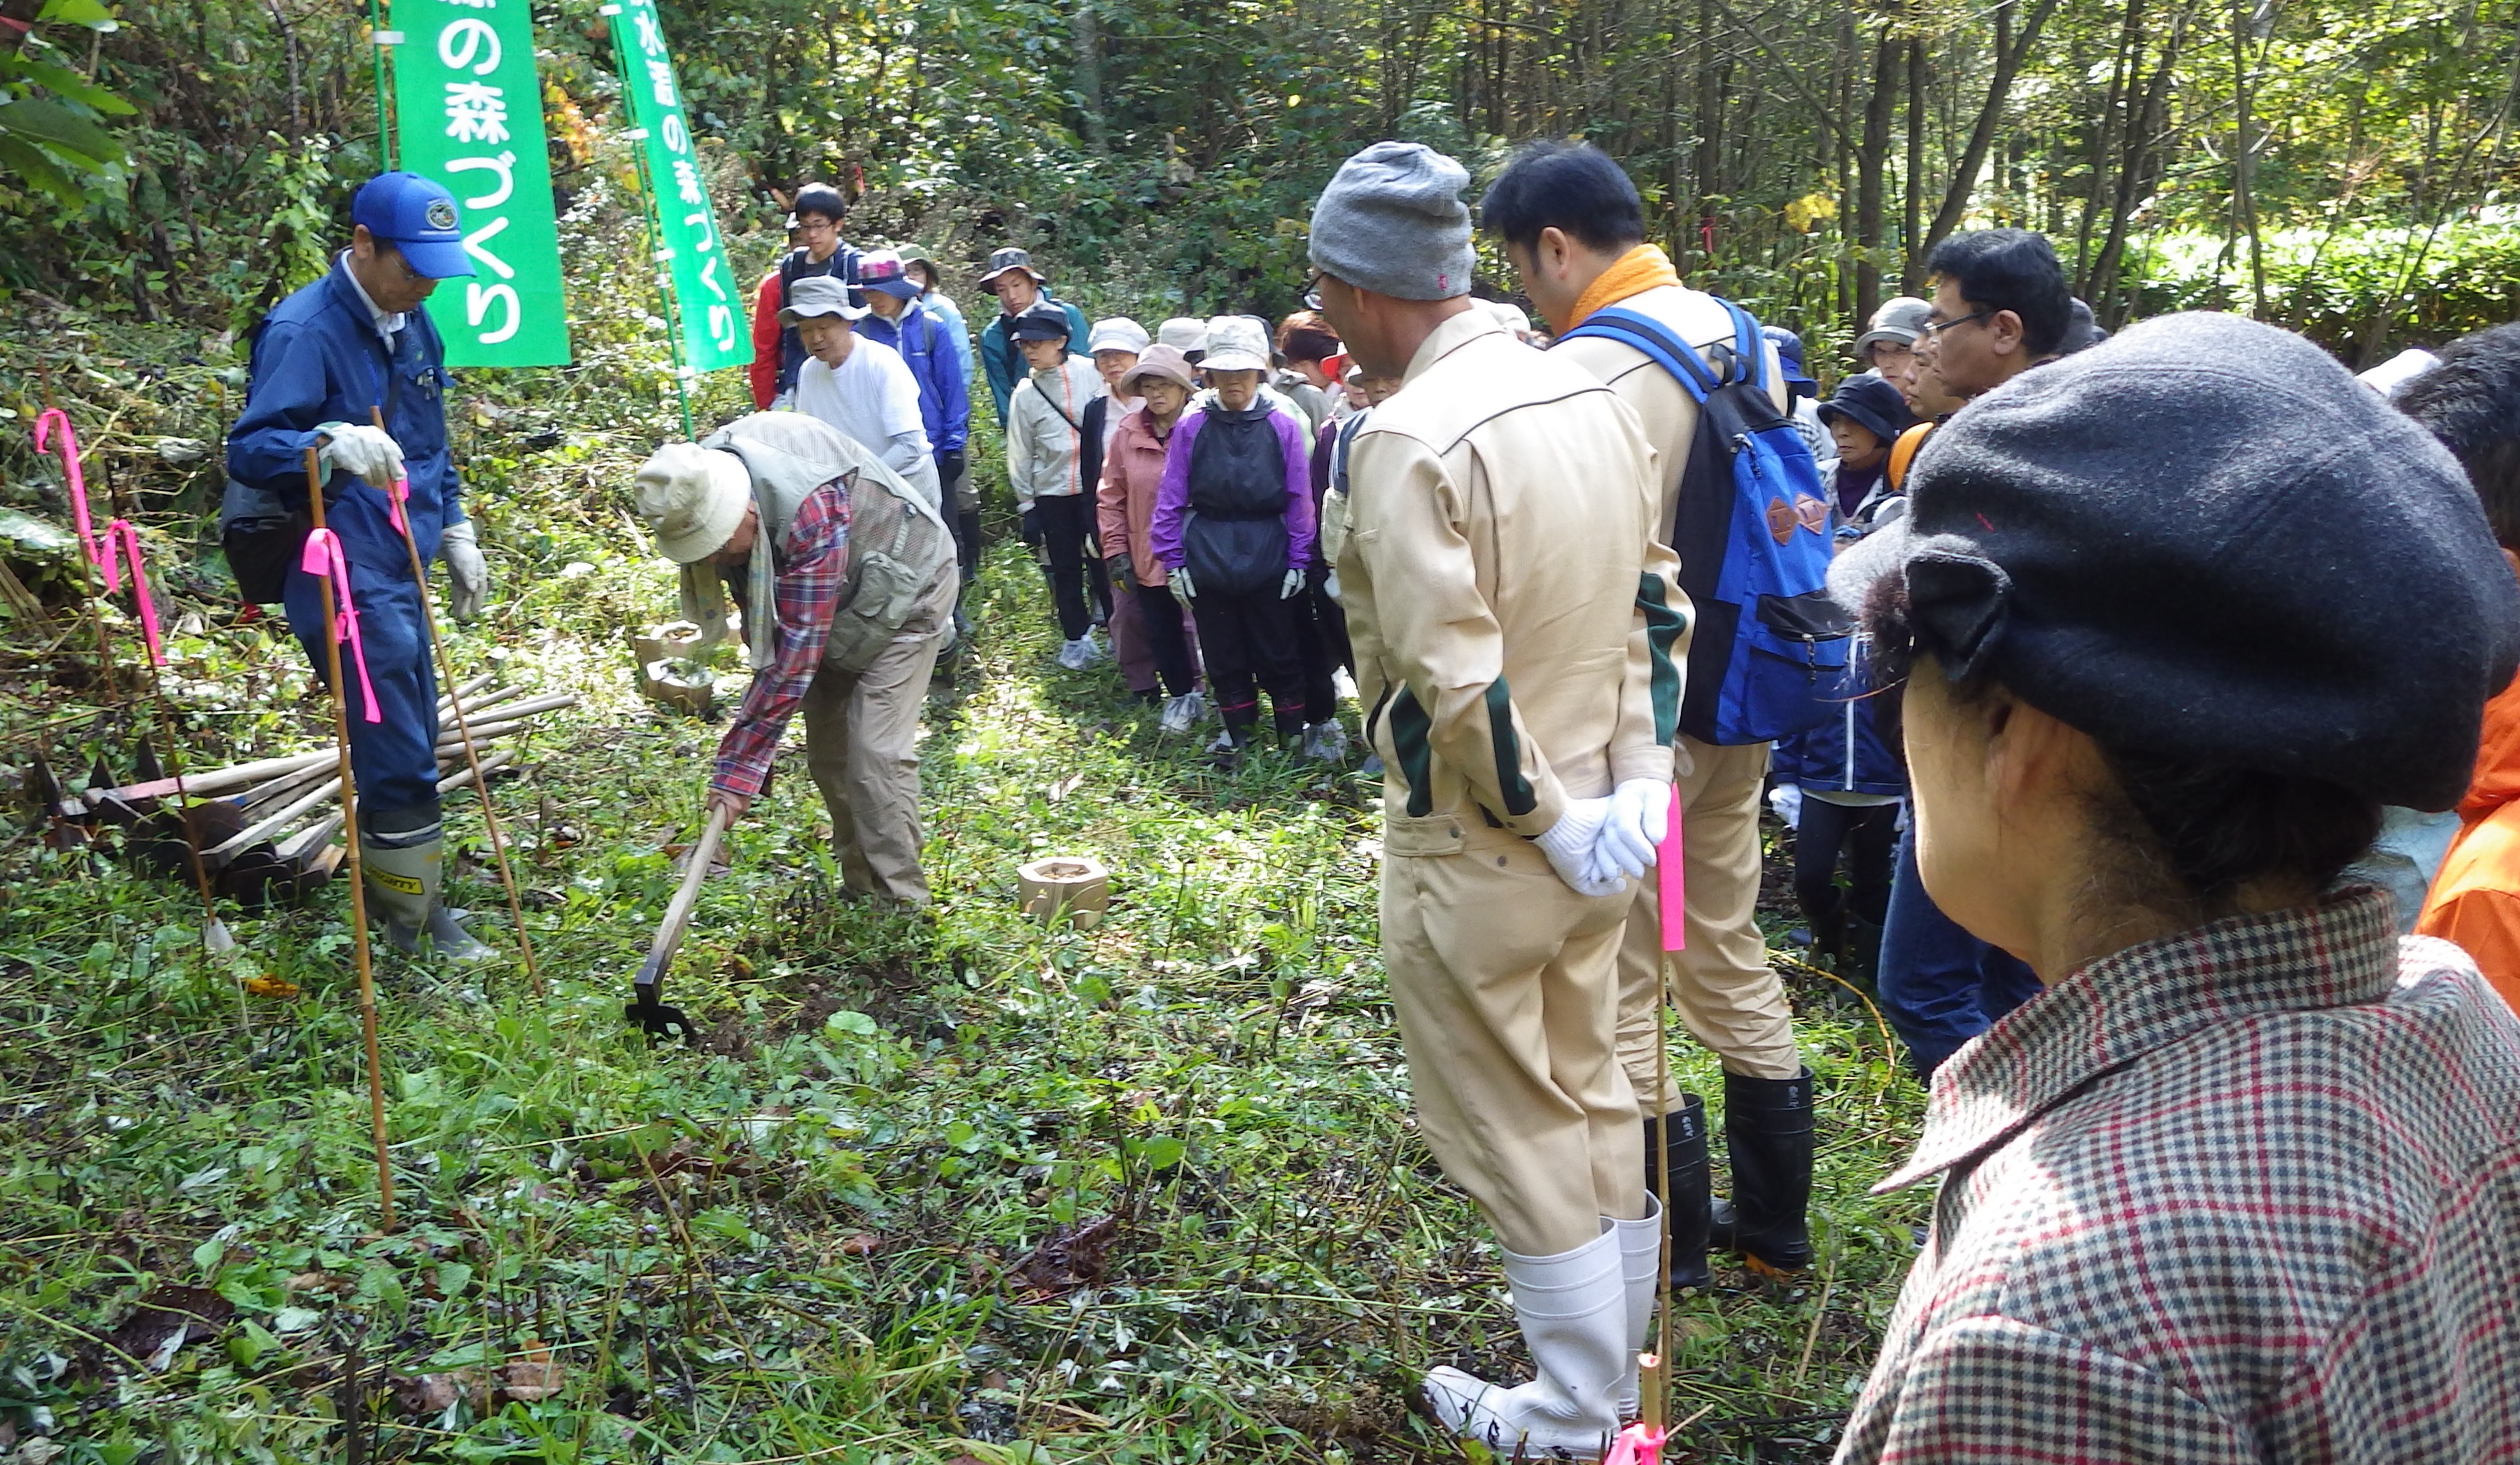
{"points": [[925, 1189]]}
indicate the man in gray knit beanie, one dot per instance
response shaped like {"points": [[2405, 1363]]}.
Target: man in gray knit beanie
{"points": [[1393, 222], [1516, 628]]}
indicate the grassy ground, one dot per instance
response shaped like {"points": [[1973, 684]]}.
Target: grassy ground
{"points": [[929, 1188], [926, 1189]]}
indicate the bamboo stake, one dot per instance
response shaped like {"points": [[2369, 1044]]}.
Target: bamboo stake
{"points": [[464, 730], [358, 884]]}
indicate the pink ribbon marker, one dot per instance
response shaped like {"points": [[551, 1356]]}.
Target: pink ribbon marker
{"points": [[323, 557], [1640, 1443], [51, 418], [395, 496], [120, 534], [1674, 884]]}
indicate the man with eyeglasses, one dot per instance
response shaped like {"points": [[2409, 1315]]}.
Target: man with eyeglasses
{"points": [[351, 348], [2000, 307], [819, 251]]}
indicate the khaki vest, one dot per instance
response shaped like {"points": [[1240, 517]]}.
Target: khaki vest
{"points": [[898, 543]]}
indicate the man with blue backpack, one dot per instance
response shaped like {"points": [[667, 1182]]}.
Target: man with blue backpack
{"points": [[1742, 507]]}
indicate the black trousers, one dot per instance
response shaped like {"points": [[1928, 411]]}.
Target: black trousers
{"points": [[1066, 524], [1867, 835], [1320, 630], [1161, 615], [1248, 639]]}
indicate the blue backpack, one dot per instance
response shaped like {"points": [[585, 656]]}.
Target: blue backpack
{"points": [[1770, 654]]}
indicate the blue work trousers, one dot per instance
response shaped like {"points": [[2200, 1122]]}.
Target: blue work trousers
{"points": [[395, 758], [1940, 985]]}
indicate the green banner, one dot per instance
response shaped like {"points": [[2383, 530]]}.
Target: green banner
{"points": [[470, 110], [706, 300]]}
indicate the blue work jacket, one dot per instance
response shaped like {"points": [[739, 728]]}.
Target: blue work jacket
{"points": [[926, 344], [317, 358]]}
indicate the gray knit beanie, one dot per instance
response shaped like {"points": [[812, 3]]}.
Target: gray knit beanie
{"points": [[1393, 222]]}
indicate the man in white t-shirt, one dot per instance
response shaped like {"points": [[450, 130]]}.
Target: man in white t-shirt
{"points": [[863, 388]]}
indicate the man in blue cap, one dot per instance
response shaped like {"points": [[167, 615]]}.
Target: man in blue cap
{"points": [[354, 342]]}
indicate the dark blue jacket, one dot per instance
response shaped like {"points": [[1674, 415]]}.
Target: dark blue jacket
{"points": [[318, 359], [1845, 753], [927, 344]]}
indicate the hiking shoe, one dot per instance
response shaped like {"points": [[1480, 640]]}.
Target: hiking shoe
{"points": [[1183, 712], [1226, 742], [1073, 655]]}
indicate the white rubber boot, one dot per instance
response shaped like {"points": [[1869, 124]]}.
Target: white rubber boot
{"points": [[1641, 1273], [1573, 1309], [403, 887]]}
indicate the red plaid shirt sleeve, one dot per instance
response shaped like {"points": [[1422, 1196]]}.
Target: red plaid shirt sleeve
{"points": [[2245, 1193], [808, 591]]}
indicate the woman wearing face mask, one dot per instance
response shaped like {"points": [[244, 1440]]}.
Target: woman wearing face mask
{"points": [[1232, 526]]}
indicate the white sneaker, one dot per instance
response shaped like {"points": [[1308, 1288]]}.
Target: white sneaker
{"points": [[1224, 743], [1573, 1311], [1326, 742], [1182, 714], [1073, 655]]}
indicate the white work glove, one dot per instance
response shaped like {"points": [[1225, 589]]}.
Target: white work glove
{"points": [[1329, 584], [1632, 836], [468, 575], [1569, 843], [1179, 582], [1291, 585], [363, 451]]}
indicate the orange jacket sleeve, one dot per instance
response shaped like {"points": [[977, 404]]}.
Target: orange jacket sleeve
{"points": [[767, 301], [2486, 924]]}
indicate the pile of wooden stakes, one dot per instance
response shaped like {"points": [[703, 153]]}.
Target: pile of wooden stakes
{"points": [[270, 830]]}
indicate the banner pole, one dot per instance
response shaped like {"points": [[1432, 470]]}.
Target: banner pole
{"points": [[653, 229], [378, 39]]}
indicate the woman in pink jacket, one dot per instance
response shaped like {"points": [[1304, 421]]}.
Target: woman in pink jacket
{"points": [[1133, 469]]}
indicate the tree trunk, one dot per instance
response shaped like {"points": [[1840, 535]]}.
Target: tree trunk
{"points": [[1872, 156], [1911, 264], [1087, 29], [2244, 158], [2010, 53], [2104, 140]]}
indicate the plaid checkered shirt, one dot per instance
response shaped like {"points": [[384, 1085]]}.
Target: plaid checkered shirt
{"points": [[807, 591], [2248, 1193]]}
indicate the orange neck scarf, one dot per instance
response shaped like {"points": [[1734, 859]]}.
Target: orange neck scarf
{"points": [[1637, 271]]}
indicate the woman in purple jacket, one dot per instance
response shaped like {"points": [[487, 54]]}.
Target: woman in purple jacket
{"points": [[1233, 526]]}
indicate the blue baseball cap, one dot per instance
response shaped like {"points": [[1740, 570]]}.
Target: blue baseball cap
{"points": [[418, 217], [1789, 354]]}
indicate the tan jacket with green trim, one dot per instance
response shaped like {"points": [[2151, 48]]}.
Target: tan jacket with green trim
{"points": [[1511, 650]]}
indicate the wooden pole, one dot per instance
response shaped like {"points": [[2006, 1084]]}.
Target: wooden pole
{"points": [[358, 884], [464, 730]]}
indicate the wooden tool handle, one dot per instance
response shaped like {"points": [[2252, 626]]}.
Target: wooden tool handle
{"points": [[679, 914]]}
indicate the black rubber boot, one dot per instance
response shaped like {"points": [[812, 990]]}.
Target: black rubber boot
{"points": [[1678, 1139], [967, 541], [1863, 948], [1828, 938], [1768, 1133]]}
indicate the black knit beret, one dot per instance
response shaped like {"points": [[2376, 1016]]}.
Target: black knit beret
{"points": [[2203, 539]]}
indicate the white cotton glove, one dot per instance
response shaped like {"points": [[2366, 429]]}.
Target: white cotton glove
{"points": [[363, 451], [1632, 836], [468, 575], [1181, 586], [1293, 585], [1329, 584], [1569, 843]]}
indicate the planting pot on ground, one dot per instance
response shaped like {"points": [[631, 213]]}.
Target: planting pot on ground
{"points": [[1075, 886]]}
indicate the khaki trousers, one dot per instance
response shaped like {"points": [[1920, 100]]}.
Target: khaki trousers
{"points": [[862, 747], [1721, 987], [1505, 982]]}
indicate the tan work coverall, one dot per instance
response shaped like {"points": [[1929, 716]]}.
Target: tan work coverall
{"points": [[1513, 658], [1726, 994], [862, 747]]}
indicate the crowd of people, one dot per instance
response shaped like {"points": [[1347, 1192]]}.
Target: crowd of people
{"points": [[2124, 697]]}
